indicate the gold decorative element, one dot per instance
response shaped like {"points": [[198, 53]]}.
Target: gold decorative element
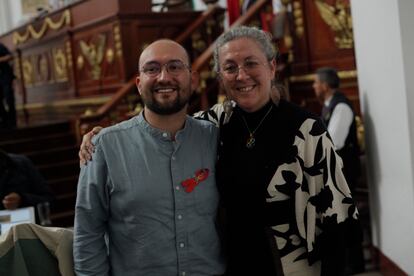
{"points": [[47, 23], [118, 41], [197, 42], [59, 65], [96, 101], [360, 133], [298, 19], [69, 54], [43, 69], [288, 41], [138, 108], [27, 72], [347, 74], [221, 98], [16, 67], [80, 62], [88, 112], [210, 26], [204, 75], [339, 19], [310, 77], [109, 55], [94, 54]]}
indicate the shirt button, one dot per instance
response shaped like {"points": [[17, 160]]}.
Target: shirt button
{"points": [[179, 216], [177, 187], [182, 244], [173, 158], [183, 273], [164, 134]]}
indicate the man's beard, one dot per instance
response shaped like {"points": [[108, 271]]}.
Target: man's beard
{"points": [[165, 109]]}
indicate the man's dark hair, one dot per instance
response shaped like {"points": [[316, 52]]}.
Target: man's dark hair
{"points": [[329, 76]]}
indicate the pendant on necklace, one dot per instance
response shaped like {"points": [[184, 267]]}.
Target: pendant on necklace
{"points": [[250, 142]]}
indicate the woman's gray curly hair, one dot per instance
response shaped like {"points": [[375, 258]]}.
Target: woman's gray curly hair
{"points": [[262, 38]]}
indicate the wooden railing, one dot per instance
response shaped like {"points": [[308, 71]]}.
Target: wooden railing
{"points": [[85, 122]]}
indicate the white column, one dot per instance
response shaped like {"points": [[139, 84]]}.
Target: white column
{"points": [[5, 20], [384, 46]]}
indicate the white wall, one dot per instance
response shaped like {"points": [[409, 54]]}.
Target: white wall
{"points": [[17, 17], [11, 15], [5, 18], [384, 45]]}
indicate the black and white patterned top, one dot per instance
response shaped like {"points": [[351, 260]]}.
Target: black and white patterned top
{"points": [[288, 191]]}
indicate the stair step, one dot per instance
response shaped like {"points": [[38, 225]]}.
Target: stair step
{"points": [[63, 203], [55, 155], [63, 219], [60, 170], [64, 185], [35, 131], [38, 144], [54, 151]]}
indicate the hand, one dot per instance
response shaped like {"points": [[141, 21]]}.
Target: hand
{"points": [[87, 148], [12, 201]]}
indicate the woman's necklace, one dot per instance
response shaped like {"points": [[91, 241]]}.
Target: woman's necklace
{"points": [[251, 141]]}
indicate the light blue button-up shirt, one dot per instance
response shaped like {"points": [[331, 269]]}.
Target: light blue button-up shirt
{"points": [[131, 193]]}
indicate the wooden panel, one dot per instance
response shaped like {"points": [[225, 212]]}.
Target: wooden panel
{"points": [[87, 48], [321, 44], [98, 68], [321, 32], [46, 71]]}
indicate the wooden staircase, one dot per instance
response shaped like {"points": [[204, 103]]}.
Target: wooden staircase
{"points": [[53, 149]]}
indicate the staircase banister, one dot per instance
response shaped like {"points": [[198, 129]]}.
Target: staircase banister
{"points": [[206, 55], [211, 10], [115, 99]]}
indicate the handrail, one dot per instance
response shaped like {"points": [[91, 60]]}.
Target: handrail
{"points": [[206, 55], [115, 99], [125, 89], [211, 10]]}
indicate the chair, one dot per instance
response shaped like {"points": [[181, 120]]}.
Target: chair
{"points": [[32, 250]]}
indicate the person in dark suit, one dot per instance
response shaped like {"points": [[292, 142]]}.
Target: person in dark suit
{"points": [[339, 117], [21, 184]]}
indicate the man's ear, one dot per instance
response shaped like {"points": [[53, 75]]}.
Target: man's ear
{"points": [[137, 83], [195, 80]]}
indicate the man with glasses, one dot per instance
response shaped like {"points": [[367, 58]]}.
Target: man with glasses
{"points": [[150, 190]]}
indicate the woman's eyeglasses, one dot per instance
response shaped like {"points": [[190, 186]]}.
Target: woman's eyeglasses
{"points": [[231, 70]]}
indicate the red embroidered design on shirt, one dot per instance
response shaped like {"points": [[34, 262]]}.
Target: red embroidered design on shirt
{"points": [[191, 183]]}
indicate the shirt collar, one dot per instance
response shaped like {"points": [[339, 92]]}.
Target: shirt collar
{"points": [[159, 133], [328, 100]]}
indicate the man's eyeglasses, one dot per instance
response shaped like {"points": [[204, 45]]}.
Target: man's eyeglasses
{"points": [[173, 67], [231, 70]]}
